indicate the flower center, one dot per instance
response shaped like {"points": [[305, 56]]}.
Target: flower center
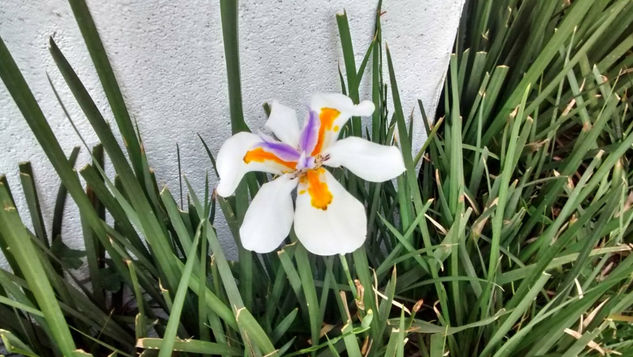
{"points": [[306, 163]]}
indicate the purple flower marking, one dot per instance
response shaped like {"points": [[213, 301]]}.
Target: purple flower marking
{"points": [[310, 133], [281, 150], [308, 162]]}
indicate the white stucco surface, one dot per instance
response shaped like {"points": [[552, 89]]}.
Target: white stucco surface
{"points": [[168, 58]]}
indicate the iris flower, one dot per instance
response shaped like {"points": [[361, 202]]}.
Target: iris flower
{"points": [[327, 219]]}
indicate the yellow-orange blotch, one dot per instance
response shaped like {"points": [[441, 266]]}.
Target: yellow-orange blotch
{"points": [[326, 117], [260, 155], [320, 194]]}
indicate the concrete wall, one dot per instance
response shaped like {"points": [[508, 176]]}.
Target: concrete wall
{"points": [[168, 58]]}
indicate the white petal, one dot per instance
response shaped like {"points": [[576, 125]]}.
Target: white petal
{"points": [[367, 160], [364, 108], [340, 228], [282, 121], [231, 166], [342, 104], [269, 217]]}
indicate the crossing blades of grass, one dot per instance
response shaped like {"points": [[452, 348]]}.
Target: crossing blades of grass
{"points": [[169, 339], [23, 251]]}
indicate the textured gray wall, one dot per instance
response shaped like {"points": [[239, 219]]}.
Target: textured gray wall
{"points": [[168, 58]]}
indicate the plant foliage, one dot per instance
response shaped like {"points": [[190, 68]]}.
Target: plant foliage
{"points": [[512, 238]]}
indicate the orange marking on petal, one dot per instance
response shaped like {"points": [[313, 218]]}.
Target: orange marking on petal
{"points": [[326, 117], [319, 192], [260, 155]]}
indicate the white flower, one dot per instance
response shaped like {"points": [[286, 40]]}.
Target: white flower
{"points": [[327, 219]]}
